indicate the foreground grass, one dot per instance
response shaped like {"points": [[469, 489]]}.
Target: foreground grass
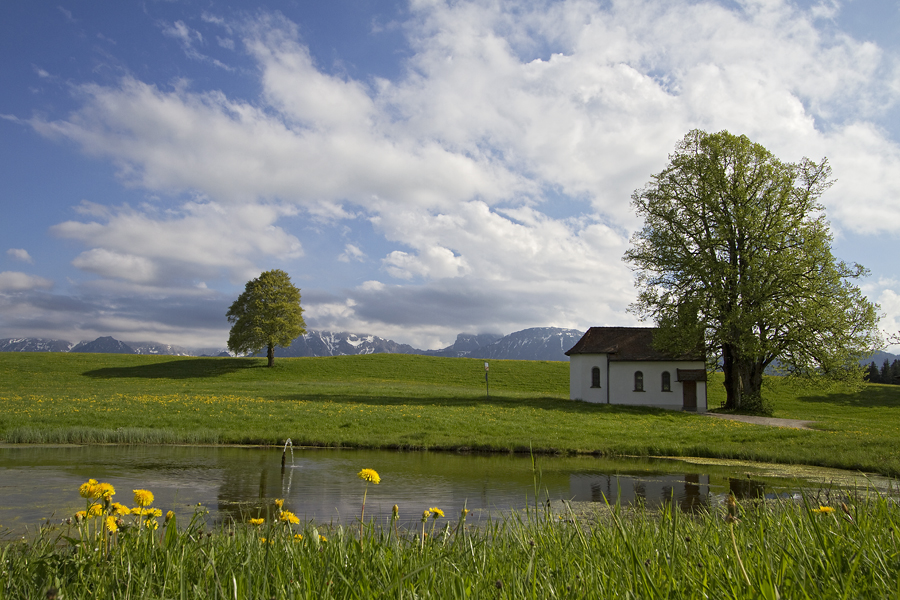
{"points": [[415, 402], [768, 550]]}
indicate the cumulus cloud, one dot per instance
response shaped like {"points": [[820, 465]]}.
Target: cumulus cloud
{"points": [[198, 240], [498, 168], [20, 254], [16, 281], [886, 292]]}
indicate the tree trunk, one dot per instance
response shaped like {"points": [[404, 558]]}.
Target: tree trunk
{"points": [[732, 379], [743, 378], [271, 355]]}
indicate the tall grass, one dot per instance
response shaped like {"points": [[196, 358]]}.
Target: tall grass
{"points": [[769, 550], [120, 435]]}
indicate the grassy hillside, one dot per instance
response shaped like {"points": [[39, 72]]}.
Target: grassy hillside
{"points": [[407, 401]]}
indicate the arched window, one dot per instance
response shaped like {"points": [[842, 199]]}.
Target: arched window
{"points": [[595, 377], [639, 381], [666, 382]]}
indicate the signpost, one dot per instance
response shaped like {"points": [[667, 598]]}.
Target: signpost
{"points": [[487, 386]]}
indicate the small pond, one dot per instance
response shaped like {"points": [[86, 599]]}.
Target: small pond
{"points": [[41, 482]]}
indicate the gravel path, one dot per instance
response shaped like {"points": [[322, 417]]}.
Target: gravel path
{"points": [[792, 423]]}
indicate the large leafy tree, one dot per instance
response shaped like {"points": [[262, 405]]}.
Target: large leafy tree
{"points": [[735, 255], [266, 315]]}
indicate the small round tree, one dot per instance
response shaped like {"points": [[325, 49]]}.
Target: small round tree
{"points": [[266, 315]]}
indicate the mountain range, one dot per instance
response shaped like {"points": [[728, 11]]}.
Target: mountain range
{"points": [[538, 343]]}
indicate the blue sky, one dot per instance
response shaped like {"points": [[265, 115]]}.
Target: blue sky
{"points": [[419, 168]]}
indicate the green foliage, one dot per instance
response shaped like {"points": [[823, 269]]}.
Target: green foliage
{"points": [[735, 253], [266, 315], [767, 550]]}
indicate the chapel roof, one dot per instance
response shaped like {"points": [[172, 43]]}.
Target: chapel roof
{"points": [[624, 343]]}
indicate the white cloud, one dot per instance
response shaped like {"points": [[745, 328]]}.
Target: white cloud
{"points": [[498, 167], [182, 33], [190, 38], [351, 253], [20, 254], [15, 281], [117, 265], [196, 240], [886, 292]]}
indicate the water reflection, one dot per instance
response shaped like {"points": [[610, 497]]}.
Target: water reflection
{"points": [[689, 491], [321, 485]]}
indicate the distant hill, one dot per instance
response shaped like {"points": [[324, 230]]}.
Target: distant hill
{"points": [[105, 345], [34, 345], [878, 358], [157, 348], [327, 343], [465, 344], [539, 343]]}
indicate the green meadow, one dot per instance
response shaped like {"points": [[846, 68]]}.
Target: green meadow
{"points": [[777, 549], [416, 402]]}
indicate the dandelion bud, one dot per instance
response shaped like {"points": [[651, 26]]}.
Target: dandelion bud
{"points": [[732, 505], [425, 515], [395, 512]]}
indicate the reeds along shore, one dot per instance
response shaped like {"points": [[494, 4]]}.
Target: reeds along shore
{"points": [[756, 550]]}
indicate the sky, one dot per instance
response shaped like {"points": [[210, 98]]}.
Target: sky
{"points": [[420, 169]]}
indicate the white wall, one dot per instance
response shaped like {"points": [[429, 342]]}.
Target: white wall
{"points": [[619, 389], [622, 391], [580, 366]]}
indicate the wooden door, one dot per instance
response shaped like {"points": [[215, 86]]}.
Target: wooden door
{"points": [[689, 391]]}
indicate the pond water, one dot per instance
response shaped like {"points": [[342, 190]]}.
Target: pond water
{"points": [[41, 482]]}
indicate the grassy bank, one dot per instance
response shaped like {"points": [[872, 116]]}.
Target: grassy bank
{"points": [[415, 402], [769, 550]]}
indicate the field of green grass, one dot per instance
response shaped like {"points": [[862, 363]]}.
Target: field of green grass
{"points": [[415, 402], [767, 550]]}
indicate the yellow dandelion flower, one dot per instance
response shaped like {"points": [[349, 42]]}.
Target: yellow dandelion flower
{"points": [[823, 509], [289, 517], [143, 497], [111, 525], [105, 490], [369, 475], [322, 538], [80, 516], [464, 512], [95, 510], [279, 503], [298, 537], [257, 521], [436, 512], [88, 489], [151, 524], [170, 515], [120, 509]]}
